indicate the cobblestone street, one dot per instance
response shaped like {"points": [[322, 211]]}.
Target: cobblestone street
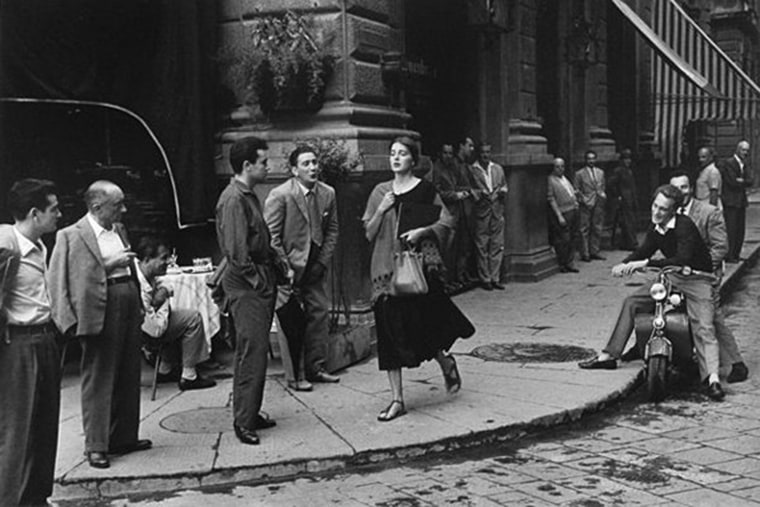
{"points": [[685, 451]]}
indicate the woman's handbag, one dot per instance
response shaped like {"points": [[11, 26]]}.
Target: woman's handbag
{"points": [[408, 274]]}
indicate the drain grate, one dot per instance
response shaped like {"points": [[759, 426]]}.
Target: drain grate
{"points": [[200, 420], [530, 352]]}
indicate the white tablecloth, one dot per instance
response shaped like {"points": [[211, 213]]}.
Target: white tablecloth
{"points": [[191, 292]]}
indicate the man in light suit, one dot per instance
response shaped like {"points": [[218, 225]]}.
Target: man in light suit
{"points": [[489, 192], [736, 176], [589, 181], [95, 298], [303, 221], [30, 380], [712, 228]]}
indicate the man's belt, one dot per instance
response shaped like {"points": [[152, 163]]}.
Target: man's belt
{"points": [[118, 279], [32, 329]]}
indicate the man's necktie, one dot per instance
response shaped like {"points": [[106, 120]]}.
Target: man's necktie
{"points": [[315, 220]]}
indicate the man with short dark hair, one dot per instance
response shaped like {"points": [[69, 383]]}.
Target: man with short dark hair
{"points": [[709, 182], [465, 244], [95, 298], [712, 229], [180, 326], [737, 177], [678, 239], [303, 221], [589, 182], [489, 195], [248, 282], [30, 378]]}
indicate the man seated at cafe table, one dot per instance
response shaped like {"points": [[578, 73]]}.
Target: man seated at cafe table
{"points": [[181, 326]]}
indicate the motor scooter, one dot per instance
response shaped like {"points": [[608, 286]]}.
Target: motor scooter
{"points": [[664, 337]]}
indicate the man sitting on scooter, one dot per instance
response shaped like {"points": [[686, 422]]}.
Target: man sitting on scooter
{"points": [[678, 239]]}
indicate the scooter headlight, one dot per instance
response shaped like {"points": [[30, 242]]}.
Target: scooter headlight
{"points": [[658, 292], [658, 323], [675, 299]]}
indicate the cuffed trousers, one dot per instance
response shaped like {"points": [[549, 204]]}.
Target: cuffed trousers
{"points": [[489, 246]]}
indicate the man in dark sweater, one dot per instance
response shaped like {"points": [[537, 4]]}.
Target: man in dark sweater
{"points": [[678, 239]]}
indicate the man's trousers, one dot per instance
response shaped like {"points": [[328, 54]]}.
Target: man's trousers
{"points": [[30, 387], [735, 224], [564, 238], [111, 373], [700, 308], [489, 246], [316, 307], [252, 311], [592, 221], [186, 326]]}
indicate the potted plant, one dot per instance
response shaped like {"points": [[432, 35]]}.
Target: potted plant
{"points": [[282, 67]]}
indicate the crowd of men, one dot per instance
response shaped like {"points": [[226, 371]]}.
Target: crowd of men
{"points": [[473, 187], [100, 291]]}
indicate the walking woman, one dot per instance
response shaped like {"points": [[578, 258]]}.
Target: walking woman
{"points": [[410, 329]]}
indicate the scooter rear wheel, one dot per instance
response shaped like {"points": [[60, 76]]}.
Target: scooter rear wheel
{"points": [[657, 371]]}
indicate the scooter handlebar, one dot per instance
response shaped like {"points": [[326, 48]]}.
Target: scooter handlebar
{"points": [[684, 271]]}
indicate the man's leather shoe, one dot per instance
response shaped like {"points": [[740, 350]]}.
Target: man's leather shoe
{"points": [[586, 258], [324, 378], [197, 383], [246, 436], [97, 459], [715, 391], [739, 373], [597, 257], [485, 285], [498, 286], [300, 385], [140, 445], [263, 423], [597, 364], [571, 269]]}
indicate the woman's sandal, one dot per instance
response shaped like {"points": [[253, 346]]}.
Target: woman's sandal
{"points": [[451, 377], [390, 414]]}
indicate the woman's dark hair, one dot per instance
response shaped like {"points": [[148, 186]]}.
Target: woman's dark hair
{"points": [[410, 144], [245, 149], [27, 194]]}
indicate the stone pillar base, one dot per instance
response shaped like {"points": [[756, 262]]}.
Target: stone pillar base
{"points": [[532, 266]]}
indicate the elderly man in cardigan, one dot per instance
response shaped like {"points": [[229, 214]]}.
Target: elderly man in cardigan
{"points": [[563, 216]]}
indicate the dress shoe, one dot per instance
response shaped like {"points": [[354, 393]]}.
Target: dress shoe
{"points": [[300, 385], [571, 269], [485, 285], [140, 445], [97, 459], [324, 378], [597, 364], [715, 391], [197, 383], [246, 436], [597, 257], [586, 258], [739, 373], [498, 286], [264, 422]]}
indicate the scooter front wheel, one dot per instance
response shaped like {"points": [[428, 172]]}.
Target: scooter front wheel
{"points": [[657, 371]]}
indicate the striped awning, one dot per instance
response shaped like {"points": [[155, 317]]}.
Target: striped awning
{"points": [[692, 77]]}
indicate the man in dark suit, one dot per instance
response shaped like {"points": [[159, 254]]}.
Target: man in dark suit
{"points": [[30, 378], [736, 176], [621, 188], [303, 221], [678, 239], [248, 282], [95, 298], [489, 194], [712, 229], [589, 182]]}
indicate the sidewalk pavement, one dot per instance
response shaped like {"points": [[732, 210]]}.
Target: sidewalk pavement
{"points": [[335, 428]]}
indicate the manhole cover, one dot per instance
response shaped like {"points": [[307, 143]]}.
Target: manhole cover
{"points": [[530, 353], [200, 420]]}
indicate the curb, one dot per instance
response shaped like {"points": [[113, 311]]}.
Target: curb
{"points": [[287, 470]]}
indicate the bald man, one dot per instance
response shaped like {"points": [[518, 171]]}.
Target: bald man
{"points": [[95, 297], [737, 177]]}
